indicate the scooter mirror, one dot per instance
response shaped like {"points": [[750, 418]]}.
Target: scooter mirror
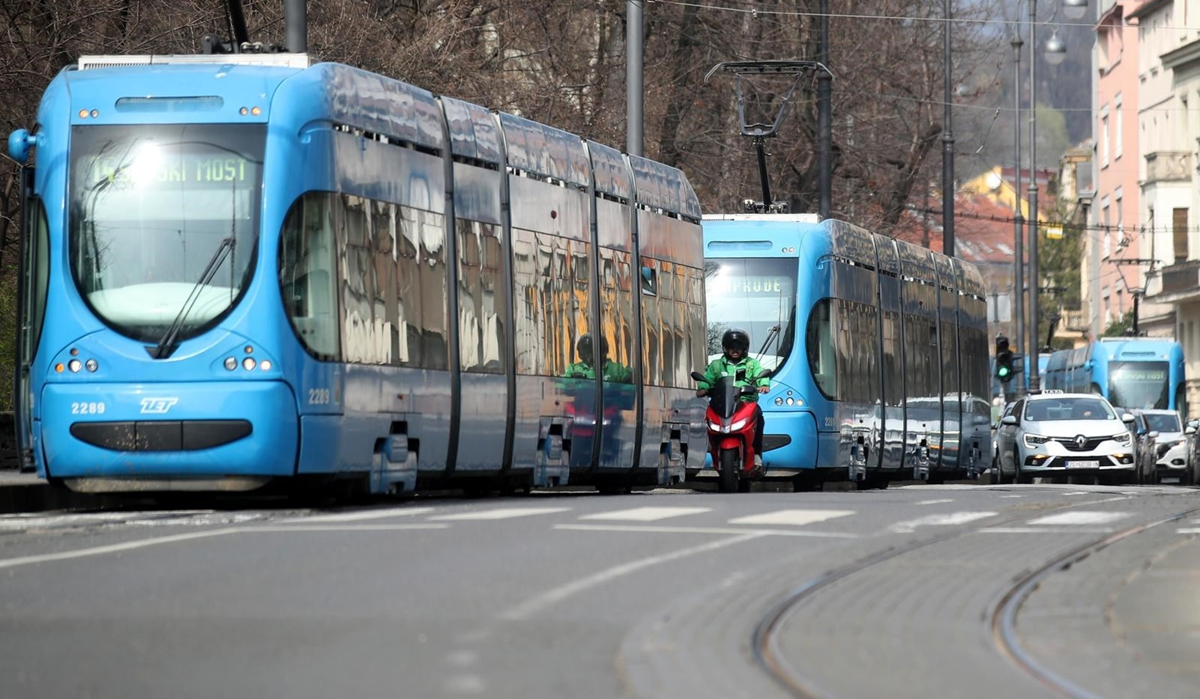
{"points": [[697, 376]]}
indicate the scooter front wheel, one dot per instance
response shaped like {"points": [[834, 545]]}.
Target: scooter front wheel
{"points": [[729, 471]]}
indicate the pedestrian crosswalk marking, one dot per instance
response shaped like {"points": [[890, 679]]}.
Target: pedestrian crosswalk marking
{"points": [[945, 520], [795, 518], [360, 515], [502, 513], [1080, 517], [647, 514]]}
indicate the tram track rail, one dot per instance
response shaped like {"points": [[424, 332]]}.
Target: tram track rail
{"points": [[764, 639]]}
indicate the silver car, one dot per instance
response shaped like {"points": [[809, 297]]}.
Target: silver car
{"points": [[1171, 456], [1056, 433]]}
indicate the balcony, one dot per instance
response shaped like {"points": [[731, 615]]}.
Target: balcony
{"points": [[1179, 281], [1168, 166]]}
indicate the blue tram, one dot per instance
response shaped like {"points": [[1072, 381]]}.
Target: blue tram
{"points": [[246, 268], [1132, 373], [879, 347]]}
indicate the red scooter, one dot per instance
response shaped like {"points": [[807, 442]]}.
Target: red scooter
{"points": [[731, 426]]}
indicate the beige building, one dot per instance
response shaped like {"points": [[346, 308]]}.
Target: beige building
{"points": [[1169, 129]]}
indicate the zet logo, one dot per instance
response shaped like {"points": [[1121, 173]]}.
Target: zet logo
{"points": [[157, 406]]}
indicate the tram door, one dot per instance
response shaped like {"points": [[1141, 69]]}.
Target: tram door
{"points": [[31, 292]]}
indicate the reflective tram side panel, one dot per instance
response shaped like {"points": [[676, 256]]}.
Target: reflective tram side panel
{"points": [[548, 177], [948, 361], [669, 245], [895, 379], [364, 266], [483, 314], [922, 365], [974, 372]]}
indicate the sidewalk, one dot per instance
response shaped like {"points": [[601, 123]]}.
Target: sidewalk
{"points": [[25, 492]]}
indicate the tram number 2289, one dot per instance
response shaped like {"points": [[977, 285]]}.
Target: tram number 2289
{"points": [[318, 396]]}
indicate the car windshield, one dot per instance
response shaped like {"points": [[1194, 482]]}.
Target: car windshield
{"points": [[1164, 423], [151, 207], [757, 295], [1063, 409]]}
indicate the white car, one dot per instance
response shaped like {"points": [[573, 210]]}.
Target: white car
{"points": [[1056, 433], [1172, 455]]}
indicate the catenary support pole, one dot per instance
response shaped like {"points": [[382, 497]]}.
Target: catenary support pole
{"points": [[633, 76]]}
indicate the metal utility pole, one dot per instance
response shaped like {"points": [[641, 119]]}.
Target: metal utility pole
{"points": [[948, 147], [824, 117], [633, 76], [295, 14], [1019, 220], [1032, 363]]}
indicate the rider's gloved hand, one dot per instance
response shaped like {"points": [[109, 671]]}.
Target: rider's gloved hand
{"points": [[701, 392], [763, 389]]}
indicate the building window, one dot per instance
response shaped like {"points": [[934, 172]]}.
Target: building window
{"points": [[1107, 248], [1104, 141], [1179, 225], [1120, 125]]}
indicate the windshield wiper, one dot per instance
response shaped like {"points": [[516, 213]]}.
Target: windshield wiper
{"points": [[166, 346], [770, 336]]}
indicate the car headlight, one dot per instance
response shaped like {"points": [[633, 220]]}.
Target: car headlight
{"points": [[1123, 438], [1033, 441]]}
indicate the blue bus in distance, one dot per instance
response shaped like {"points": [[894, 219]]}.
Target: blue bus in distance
{"points": [[879, 348], [1132, 373]]}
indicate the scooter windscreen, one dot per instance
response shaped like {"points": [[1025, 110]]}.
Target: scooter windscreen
{"points": [[723, 397]]}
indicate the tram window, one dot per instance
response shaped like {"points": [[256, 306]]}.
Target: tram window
{"points": [[435, 334], [481, 298], [649, 281], [408, 290], [821, 350], [306, 273], [527, 306]]}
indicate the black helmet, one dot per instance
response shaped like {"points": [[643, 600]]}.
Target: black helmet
{"points": [[584, 347], [735, 338]]}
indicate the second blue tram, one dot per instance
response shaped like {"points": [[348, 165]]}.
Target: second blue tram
{"points": [[1133, 373], [245, 268], [879, 347]]}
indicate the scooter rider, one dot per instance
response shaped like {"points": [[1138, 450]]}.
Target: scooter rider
{"points": [[746, 371], [585, 368]]}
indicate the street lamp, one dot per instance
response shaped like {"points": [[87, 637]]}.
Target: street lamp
{"points": [[1055, 53]]}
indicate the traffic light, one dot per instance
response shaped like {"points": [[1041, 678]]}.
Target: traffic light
{"points": [[1004, 360]]}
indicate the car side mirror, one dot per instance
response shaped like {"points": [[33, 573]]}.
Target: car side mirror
{"points": [[1194, 424], [1153, 435], [697, 376], [1008, 420], [1128, 419], [1190, 430]]}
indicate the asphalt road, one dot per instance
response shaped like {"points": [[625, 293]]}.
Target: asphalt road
{"points": [[917, 591]]}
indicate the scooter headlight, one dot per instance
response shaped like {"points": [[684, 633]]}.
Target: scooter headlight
{"points": [[714, 426], [737, 425]]}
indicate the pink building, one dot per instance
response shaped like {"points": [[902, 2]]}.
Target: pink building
{"points": [[1109, 285]]}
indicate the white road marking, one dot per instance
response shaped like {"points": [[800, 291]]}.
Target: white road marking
{"points": [[1079, 517], [465, 684], [555, 595], [1011, 496], [648, 514], [1047, 530], [144, 543], [113, 548], [502, 513], [933, 502], [939, 521], [1190, 530], [795, 518], [360, 515], [699, 530]]}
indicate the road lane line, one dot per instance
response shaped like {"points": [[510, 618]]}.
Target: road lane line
{"points": [[113, 548], [795, 518], [360, 515], [1190, 530], [553, 596], [648, 514], [1047, 530], [933, 502], [700, 530], [502, 513], [1079, 517], [342, 528], [946, 520]]}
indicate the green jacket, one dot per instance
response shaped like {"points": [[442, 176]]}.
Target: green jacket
{"points": [[614, 372], [724, 366]]}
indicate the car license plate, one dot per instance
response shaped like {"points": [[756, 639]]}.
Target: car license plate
{"points": [[1083, 464]]}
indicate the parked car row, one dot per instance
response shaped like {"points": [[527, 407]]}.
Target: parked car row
{"points": [[1082, 435]]}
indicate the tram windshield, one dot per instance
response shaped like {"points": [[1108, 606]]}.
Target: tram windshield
{"points": [[757, 295], [152, 206], [1139, 385]]}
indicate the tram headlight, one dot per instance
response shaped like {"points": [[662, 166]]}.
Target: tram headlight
{"points": [[230, 363], [779, 401], [248, 363], [265, 365], [92, 365], [74, 365]]}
